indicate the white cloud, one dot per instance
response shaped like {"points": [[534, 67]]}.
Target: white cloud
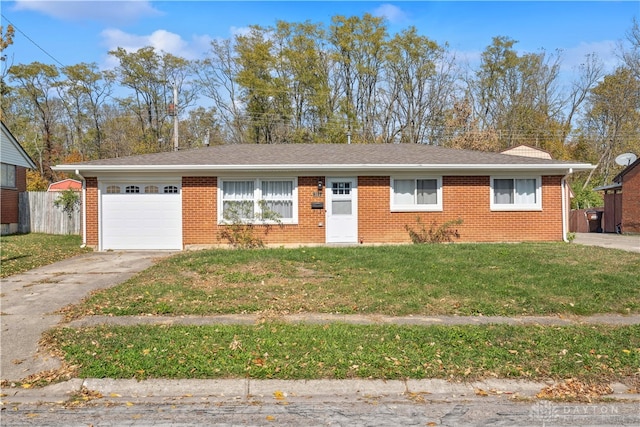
{"points": [[604, 50], [392, 13], [160, 40], [114, 12], [239, 31]]}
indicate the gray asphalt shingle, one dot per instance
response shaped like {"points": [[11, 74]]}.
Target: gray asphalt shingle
{"points": [[323, 154]]}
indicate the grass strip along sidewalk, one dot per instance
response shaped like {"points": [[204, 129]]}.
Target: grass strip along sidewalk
{"points": [[338, 351], [460, 279]]}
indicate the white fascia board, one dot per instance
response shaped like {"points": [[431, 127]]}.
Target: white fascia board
{"points": [[326, 168]]}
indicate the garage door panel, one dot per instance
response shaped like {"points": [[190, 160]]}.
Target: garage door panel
{"points": [[141, 221]]}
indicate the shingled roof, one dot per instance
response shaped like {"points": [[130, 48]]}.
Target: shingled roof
{"points": [[321, 157]]}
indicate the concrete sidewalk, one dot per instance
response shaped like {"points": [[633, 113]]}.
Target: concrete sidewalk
{"points": [[625, 242], [246, 389], [356, 319], [30, 300]]}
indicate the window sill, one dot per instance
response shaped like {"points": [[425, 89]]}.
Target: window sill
{"points": [[515, 208], [434, 208], [258, 223]]}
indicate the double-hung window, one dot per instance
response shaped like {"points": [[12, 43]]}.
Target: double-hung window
{"points": [[509, 193], [416, 194], [257, 199], [8, 178]]}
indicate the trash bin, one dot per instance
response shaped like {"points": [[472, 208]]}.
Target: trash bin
{"points": [[594, 219]]}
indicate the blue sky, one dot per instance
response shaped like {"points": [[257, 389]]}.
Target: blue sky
{"points": [[77, 31]]}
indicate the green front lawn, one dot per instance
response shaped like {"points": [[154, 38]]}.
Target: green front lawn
{"points": [[458, 279], [285, 351], [22, 252]]}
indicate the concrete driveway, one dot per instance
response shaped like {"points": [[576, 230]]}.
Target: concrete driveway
{"points": [[29, 301], [625, 242]]}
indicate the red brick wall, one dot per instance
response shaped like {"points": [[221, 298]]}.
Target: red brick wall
{"points": [[307, 230], [200, 214], [631, 201], [92, 211], [9, 196], [21, 179], [463, 197], [199, 210]]}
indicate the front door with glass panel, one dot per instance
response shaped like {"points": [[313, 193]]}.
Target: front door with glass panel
{"points": [[342, 210]]}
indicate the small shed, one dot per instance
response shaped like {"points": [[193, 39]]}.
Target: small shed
{"points": [[65, 184], [622, 201]]}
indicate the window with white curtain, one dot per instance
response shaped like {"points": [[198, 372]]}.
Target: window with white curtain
{"points": [[248, 198], [416, 194], [508, 193], [278, 197]]}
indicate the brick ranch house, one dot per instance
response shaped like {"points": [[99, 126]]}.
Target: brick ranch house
{"points": [[13, 181], [324, 194]]}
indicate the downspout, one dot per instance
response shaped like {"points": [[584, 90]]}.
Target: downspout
{"points": [[565, 211], [84, 209]]}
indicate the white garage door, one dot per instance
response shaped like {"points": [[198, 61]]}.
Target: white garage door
{"points": [[141, 216]]}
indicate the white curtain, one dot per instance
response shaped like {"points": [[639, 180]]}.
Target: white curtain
{"points": [[278, 196], [238, 196], [427, 192], [403, 191], [503, 191], [525, 191]]}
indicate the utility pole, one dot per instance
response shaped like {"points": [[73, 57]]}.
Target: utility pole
{"points": [[175, 117]]}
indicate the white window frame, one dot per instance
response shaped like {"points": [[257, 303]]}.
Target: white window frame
{"points": [[257, 197], [9, 173], [415, 207], [537, 206], [113, 189]]}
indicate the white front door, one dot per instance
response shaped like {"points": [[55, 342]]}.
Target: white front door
{"points": [[342, 210]]}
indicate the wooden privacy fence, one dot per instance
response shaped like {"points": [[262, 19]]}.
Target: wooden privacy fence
{"points": [[39, 214]]}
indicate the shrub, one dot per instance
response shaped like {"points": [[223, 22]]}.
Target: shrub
{"points": [[241, 227], [69, 201], [436, 233]]}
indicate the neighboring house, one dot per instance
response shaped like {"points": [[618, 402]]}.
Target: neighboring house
{"points": [[622, 201], [15, 162], [65, 184], [527, 151], [324, 193]]}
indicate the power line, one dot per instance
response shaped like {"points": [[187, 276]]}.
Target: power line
{"points": [[31, 40]]}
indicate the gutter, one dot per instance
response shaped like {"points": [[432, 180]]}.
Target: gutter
{"points": [[565, 210], [324, 167], [84, 209]]}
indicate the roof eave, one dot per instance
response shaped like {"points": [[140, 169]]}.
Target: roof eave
{"points": [[564, 167]]}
